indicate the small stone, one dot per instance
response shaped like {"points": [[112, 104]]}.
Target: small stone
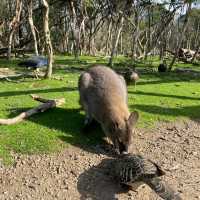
{"points": [[75, 157], [65, 182], [32, 187], [194, 153], [129, 194], [180, 191], [58, 170], [187, 141], [73, 172]]}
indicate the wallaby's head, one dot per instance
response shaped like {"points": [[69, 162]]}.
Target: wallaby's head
{"points": [[122, 134]]}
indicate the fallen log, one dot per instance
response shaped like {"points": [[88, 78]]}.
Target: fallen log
{"points": [[47, 104], [11, 76], [18, 76]]}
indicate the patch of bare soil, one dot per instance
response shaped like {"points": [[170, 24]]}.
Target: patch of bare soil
{"points": [[81, 173]]}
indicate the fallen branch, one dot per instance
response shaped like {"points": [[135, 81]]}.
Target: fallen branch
{"points": [[17, 76], [11, 76], [47, 104]]}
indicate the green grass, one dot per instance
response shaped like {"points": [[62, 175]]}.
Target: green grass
{"points": [[157, 97], [165, 98]]}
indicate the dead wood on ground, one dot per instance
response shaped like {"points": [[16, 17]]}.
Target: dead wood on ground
{"points": [[47, 104]]}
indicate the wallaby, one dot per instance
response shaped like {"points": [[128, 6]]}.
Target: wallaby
{"points": [[103, 96]]}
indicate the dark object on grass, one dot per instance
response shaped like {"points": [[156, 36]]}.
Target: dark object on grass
{"points": [[35, 62], [133, 170], [129, 74], [131, 77], [162, 67]]}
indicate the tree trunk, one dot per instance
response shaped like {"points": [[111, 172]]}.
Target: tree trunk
{"points": [[13, 26], [196, 41], [30, 19], [149, 31], [47, 36], [180, 40], [108, 37], [135, 35], [121, 44], [10, 39], [116, 40], [162, 47], [196, 52], [74, 29]]}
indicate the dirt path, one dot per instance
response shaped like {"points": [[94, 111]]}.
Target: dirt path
{"points": [[75, 173]]}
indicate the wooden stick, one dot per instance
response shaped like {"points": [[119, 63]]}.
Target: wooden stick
{"points": [[23, 75], [38, 98], [41, 108]]}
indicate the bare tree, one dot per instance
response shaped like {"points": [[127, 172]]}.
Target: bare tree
{"points": [[181, 35], [13, 26], [47, 36], [118, 30], [30, 19], [74, 28]]}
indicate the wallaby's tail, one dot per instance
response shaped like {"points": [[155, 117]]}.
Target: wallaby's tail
{"points": [[163, 190]]}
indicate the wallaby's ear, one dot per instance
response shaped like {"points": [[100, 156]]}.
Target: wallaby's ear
{"points": [[133, 118]]}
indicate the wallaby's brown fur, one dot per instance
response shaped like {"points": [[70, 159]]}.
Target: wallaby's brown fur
{"points": [[103, 96]]}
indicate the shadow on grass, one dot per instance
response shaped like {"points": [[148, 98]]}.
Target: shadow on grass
{"points": [[75, 68], [97, 183], [8, 63], [164, 95], [167, 78], [69, 123], [38, 91], [80, 63], [66, 62], [160, 81], [192, 112]]}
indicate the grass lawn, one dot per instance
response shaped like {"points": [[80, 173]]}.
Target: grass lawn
{"points": [[157, 97]]}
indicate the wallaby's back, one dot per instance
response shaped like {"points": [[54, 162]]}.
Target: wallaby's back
{"points": [[103, 90]]}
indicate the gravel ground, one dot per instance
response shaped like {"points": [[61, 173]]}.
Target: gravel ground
{"points": [[82, 173]]}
